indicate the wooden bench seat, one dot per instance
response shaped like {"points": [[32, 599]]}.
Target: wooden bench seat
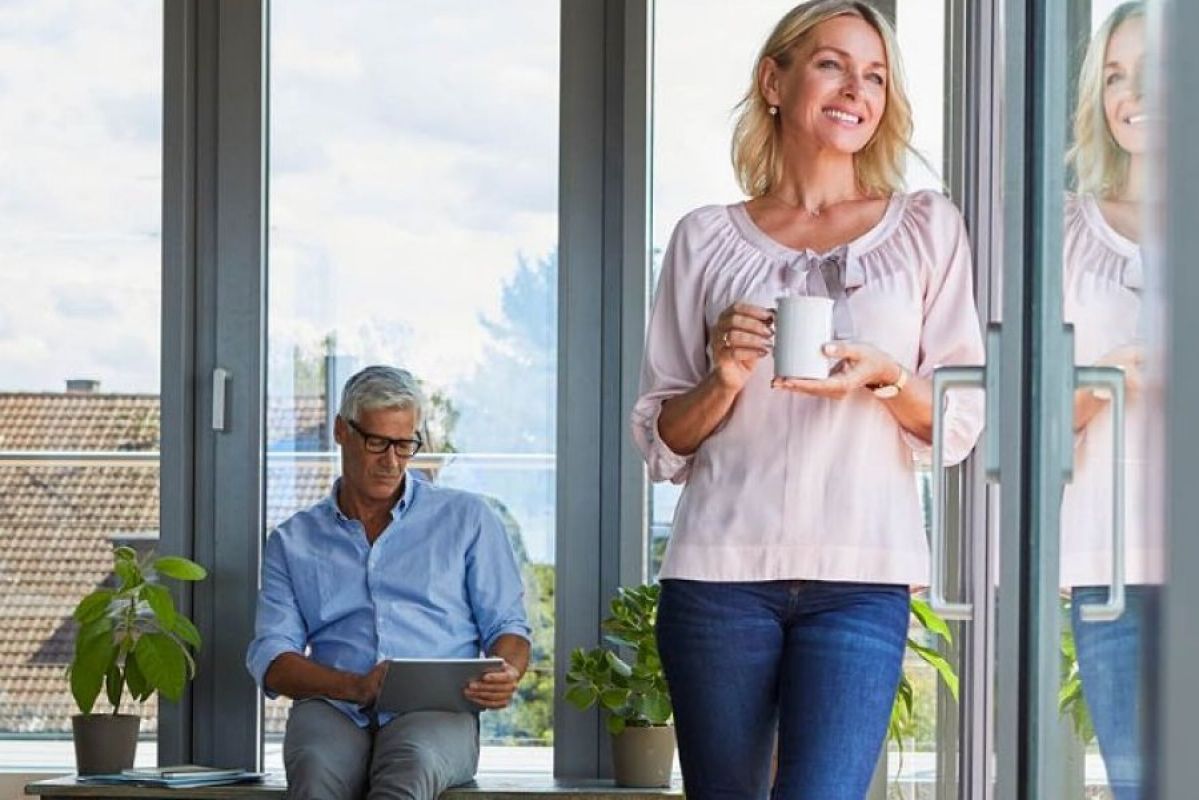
{"points": [[488, 787]]}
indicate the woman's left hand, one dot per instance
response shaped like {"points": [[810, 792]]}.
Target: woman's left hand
{"points": [[860, 365]]}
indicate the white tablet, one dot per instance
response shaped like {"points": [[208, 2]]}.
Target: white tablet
{"points": [[432, 684]]}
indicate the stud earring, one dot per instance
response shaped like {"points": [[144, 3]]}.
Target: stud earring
{"points": [[774, 111]]}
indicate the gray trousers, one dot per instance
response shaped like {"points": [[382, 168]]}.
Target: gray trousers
{"points": [[416, 756]]}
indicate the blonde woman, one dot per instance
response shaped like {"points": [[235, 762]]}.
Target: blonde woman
{"points": [[799, 531], [1102, 292]]}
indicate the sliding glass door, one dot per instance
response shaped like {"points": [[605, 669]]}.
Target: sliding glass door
{"points": [[1079, 410]]}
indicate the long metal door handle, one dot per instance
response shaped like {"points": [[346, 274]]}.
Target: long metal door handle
{"points": [[945, 378], [220, 386], [994, 342], [1112, 379]]}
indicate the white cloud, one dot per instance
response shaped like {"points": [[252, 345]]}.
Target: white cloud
{"points": [[80, 116], [405, 183], [413, 153], [84, 302]]}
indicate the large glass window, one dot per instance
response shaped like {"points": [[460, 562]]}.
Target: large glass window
{"points": [[81, 122], [413, 221]]}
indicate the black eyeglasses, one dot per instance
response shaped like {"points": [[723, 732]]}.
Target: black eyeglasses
{"points": [[374, 443]]}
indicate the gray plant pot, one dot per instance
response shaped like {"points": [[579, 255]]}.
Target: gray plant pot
{"points": [[104, 743], [642, 757]]}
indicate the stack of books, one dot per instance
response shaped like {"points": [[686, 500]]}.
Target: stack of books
{"points": [[179, 775]]}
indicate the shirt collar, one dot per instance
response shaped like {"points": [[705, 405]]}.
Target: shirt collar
{"points": [[398, 510]]}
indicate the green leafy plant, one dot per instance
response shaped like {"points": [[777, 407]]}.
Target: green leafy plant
{"points": [[902, 713], [636, 693], [632, 691], [1070, 700], [132, 636]]}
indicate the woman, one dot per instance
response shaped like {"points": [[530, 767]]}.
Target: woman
{"points": [[1102, 292], [799, 531]]}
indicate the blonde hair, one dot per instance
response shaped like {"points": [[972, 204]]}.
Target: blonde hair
{"points": [[1100, 164], [757, 156]]}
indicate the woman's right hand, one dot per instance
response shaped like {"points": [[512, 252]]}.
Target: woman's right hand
{"points": [[1089, 402], [1129, 358], [743, 333]]}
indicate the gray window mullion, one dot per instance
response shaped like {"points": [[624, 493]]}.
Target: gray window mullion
{"points": [[215, 282], [580, 322], [603, 230], [1174, 702], [1037, 355], [177, 460]]}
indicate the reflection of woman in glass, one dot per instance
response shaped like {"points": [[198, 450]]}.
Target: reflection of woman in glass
{"points": [[785, 586], [1103, 279]]}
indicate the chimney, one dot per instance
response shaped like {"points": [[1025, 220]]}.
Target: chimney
{"points": [[82, 386]]}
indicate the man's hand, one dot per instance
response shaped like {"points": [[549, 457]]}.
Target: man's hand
{"points": [[299, 677], [365, 688], [494, 689]]}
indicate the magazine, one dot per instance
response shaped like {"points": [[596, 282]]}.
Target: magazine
{"points": [[179, 775]]}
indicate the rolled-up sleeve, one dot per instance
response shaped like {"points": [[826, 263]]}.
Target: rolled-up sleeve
{"points": [[278, 625], [493, 582], [675, 358], [951, 333]]}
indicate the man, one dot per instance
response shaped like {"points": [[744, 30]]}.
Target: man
{"points": [[387, 566]]}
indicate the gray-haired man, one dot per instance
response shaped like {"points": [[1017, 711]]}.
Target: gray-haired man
{"points": [[387, 566]]}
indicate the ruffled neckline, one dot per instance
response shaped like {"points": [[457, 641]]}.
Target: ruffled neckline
{"points": [[744, 224], [1112, 237]]}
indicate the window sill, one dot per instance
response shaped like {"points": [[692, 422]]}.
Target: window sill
{"points": [[487, 787]]}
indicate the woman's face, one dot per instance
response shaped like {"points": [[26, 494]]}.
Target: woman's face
{"points": [[835, 91], [1123, 75]]}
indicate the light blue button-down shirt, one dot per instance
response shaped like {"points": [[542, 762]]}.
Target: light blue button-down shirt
{"points": [[440, 582]]}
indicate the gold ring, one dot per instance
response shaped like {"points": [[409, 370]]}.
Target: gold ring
{"points": [[725, 340]]}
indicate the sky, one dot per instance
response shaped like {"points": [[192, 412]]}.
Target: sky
{"points": [[80, 188], [413, 160], [411, 166]]}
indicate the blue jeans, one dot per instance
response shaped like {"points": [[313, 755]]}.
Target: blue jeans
{"points": [[817, 661], [1111, 661]]}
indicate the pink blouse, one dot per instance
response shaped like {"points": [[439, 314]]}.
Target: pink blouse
{"points": [[1102, 298], [790, 486]]}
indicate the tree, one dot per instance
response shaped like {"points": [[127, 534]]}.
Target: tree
{"points": [[508, 405], [530, 717]]}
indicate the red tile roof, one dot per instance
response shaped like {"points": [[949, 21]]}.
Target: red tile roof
{"points": [[57, 525], [78, 421]]}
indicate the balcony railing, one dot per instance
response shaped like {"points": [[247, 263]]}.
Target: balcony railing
{"points": [[146, 458]]}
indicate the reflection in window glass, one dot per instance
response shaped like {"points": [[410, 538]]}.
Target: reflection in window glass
{"points": [[413, 221], [80, 254]]}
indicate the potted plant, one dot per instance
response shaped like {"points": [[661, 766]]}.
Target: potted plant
{"points": [[633, 690], [130, 637], [638, 701]]}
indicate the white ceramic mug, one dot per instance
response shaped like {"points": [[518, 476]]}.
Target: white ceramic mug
{"points": [[802, 326]]}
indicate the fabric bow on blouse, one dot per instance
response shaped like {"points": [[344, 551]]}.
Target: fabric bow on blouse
{"points": [[834, 275]]}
